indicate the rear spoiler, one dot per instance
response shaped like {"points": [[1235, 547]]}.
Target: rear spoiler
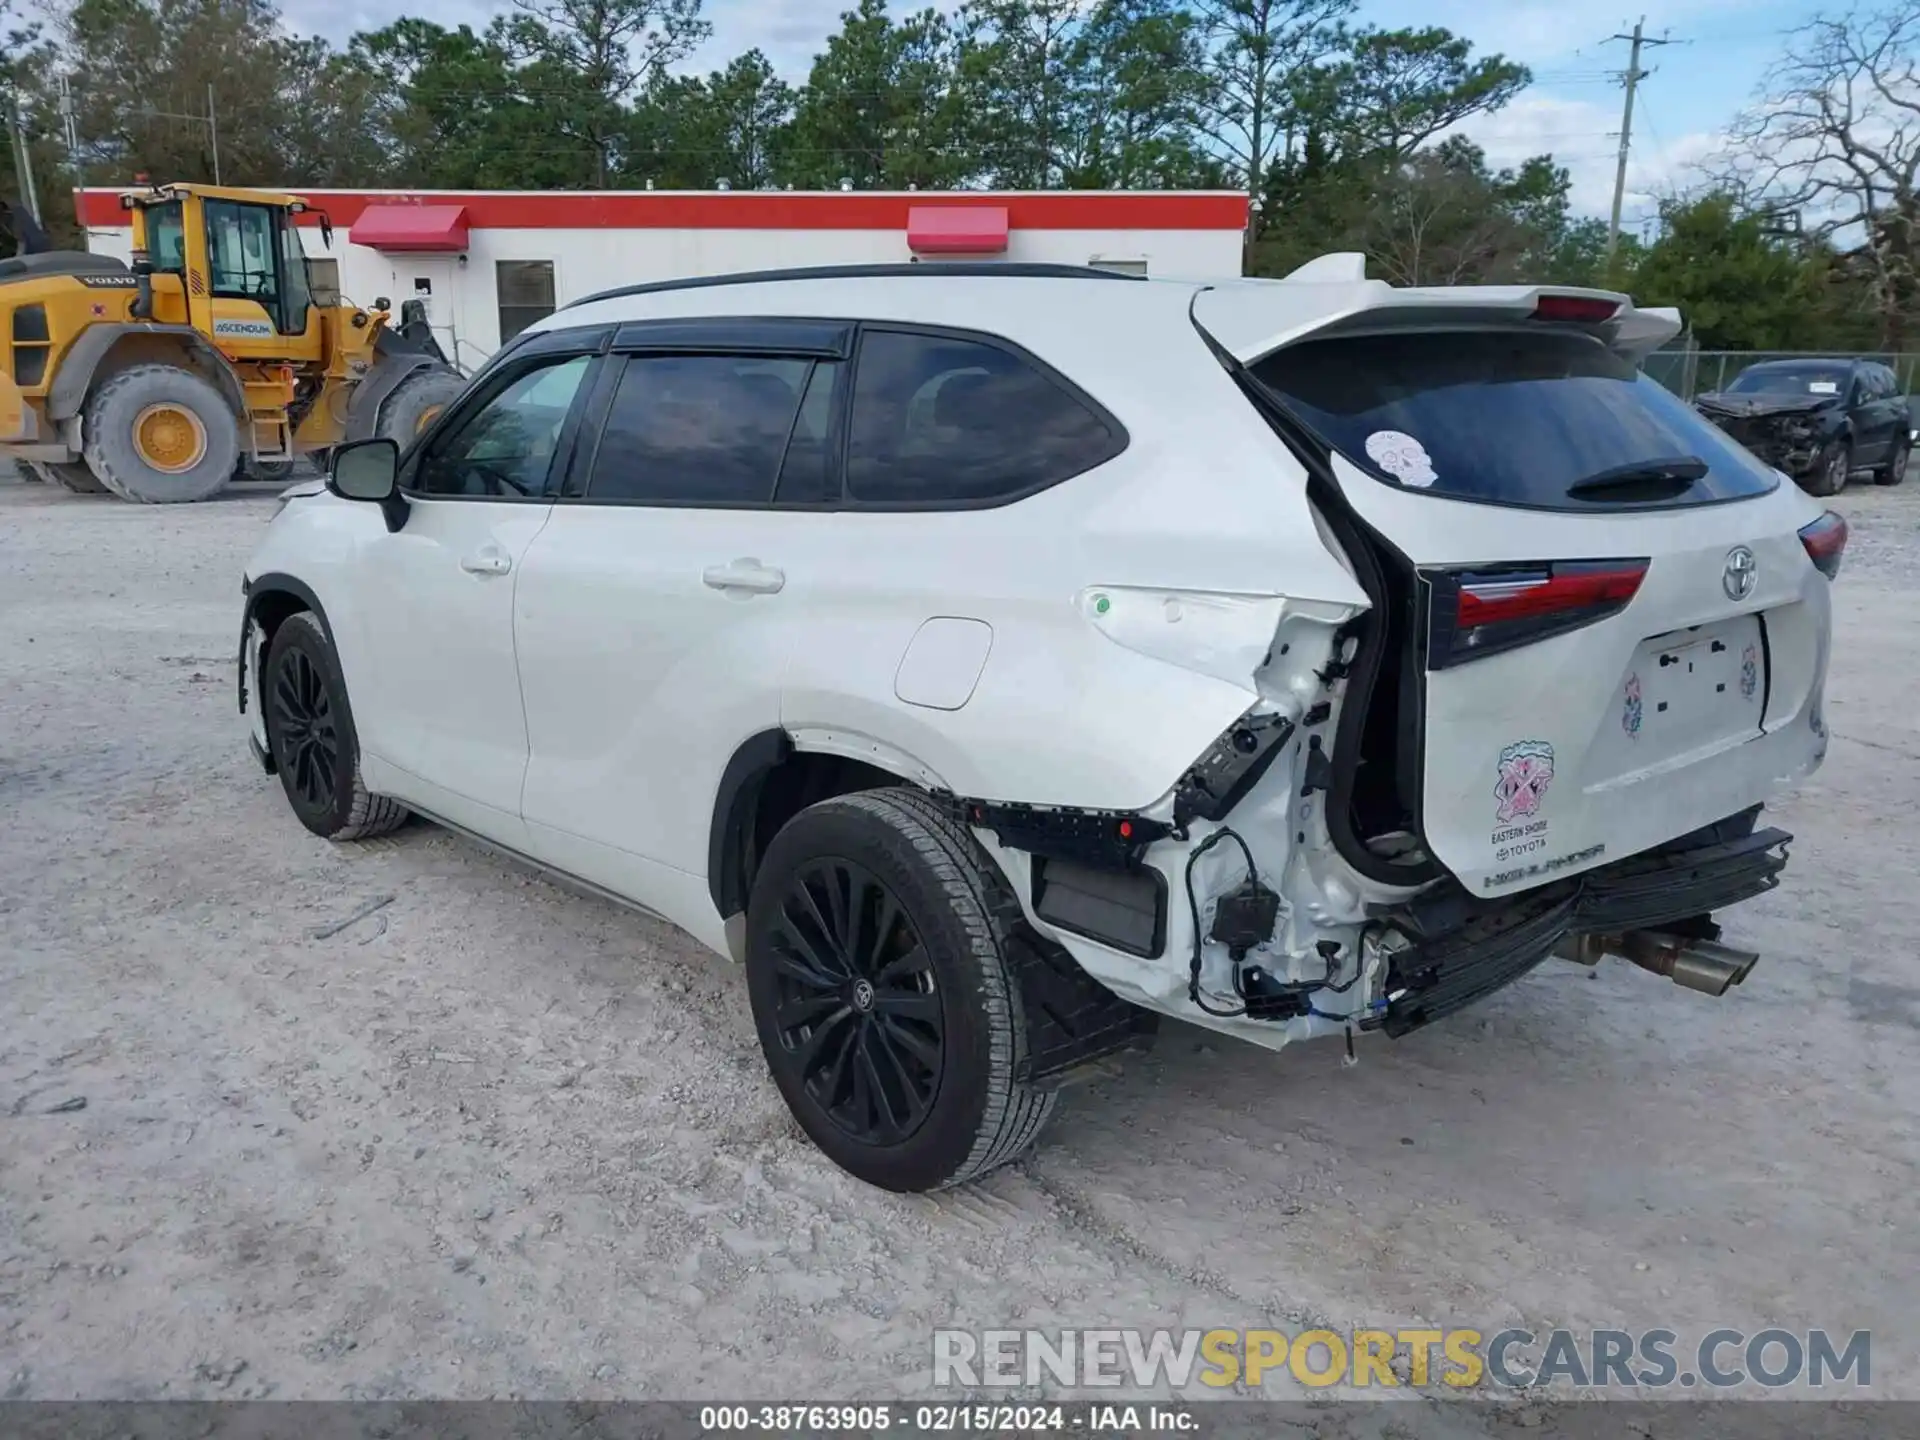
{"points": [[1331, 295]]}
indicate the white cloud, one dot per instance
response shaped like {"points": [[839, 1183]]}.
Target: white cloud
{"points": [[1582, 136]]}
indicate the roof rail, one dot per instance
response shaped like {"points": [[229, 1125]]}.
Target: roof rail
{"points": [[999, 268]]}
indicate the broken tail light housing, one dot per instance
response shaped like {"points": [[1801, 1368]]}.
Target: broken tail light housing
{"points": [[1826, 542], [1575, 309], [1474, 613]]}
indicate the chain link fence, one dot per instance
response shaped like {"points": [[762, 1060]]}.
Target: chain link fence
{"points": [[1689, 372]]}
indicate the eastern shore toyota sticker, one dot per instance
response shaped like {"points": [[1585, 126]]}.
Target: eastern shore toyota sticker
{"points": [[1402, 457]]}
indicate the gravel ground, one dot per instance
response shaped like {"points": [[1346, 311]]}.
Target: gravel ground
{"points": [[496, 1139]]}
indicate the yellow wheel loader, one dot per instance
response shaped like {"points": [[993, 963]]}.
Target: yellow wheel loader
{"points": [[204, 360]]}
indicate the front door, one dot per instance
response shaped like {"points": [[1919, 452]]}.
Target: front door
{"points": [[431, 279], [444, 713]]}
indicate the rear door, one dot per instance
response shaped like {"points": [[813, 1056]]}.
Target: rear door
{"points": [[1621, 634]]}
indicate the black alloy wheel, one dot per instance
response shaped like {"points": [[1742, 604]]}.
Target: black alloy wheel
{"points": [[857, 1001], [306, 741], [881, 949]]}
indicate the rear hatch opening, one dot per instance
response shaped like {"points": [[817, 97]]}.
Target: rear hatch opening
{"points": [[1595, 624]]}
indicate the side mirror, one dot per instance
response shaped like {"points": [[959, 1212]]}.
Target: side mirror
{"points": [[364, 469], [370, 470]]}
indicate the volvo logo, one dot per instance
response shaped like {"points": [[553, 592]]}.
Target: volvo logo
{"points": [[862, 996], [1741, 573]]}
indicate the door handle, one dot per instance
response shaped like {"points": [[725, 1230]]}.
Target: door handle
{"points": [[748, 576], [486, 562]]}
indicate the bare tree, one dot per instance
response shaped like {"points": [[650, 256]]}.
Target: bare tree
{"points": [[1835, 140]]}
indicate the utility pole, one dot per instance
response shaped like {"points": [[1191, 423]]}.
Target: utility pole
{"points": [[70, 133], [22, 160], [1634, 75], [213, 135]]}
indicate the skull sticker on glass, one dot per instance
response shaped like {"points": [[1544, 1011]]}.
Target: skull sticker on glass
{"points": [[1402, 457], [1526, 770]]}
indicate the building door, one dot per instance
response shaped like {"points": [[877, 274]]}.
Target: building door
{"points": [[433, 280]]}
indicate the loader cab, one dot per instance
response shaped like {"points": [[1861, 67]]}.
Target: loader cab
{"points": [[242, 272]]}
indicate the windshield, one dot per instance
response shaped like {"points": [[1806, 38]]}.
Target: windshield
{"points": [[1790, 380], [1506, 417]]}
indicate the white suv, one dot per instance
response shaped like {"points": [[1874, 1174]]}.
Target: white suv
{"points": [[990, 657]]}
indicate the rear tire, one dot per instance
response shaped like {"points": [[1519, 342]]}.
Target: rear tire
{"points": [[416, 404], [1894, 472], [316, 750], [74, 475], [1830, 471], [878, 966], [277, 470], [160, 435]]}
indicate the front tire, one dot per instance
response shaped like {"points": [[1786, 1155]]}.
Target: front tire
{"points": [[880, 973], [1830, 471], [316, 750], [416, 404], [1894, 471]]}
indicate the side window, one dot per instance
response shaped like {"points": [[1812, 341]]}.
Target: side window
{"points": [[697, 429], [525, 292], [324, 275], [506, 449], [167, 237], [942, 419], [241, 251]]}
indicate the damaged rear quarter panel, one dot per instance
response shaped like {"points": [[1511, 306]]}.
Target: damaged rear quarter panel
{"points": [[1205, 506]]}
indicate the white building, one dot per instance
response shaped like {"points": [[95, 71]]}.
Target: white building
{"points": [[487, 264]]}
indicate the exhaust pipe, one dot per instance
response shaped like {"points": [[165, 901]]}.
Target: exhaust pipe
{"points": [[1703, 965]]}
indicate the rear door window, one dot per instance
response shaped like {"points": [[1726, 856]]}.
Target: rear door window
{"points": [[697, 429], [1508, 418], [941, 420]]}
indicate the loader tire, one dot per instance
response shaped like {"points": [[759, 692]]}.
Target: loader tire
{"points": [[160, 435], [73, 475], [416, 404], [278, 470]]}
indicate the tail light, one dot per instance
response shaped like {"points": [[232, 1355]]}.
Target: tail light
{"points": [[1826, 542], [1482, 612], [1575, 309]]}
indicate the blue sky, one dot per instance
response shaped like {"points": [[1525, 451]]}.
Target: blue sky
{"points": [[1572, 110]]}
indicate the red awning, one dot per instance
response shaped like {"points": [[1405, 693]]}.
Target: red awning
{"points": [[957, 229], [411, 227]]}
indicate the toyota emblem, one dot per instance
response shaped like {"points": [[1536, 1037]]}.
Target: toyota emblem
{"points": [[1741, 573]]}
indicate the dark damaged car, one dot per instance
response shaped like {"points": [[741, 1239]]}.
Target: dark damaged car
{"points": [[1822, 422]]}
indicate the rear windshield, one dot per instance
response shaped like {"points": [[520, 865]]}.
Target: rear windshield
{"points": [[1790, 380], [1506, 417]]}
